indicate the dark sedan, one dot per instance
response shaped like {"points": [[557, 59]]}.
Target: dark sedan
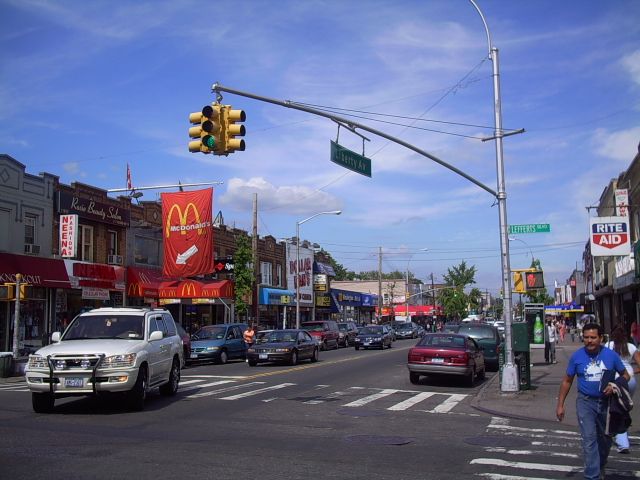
{"points": [[374, 336], [446, 354], [288, 346], [406, 330]]}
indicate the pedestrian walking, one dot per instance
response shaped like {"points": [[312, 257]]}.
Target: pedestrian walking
{"points": [[635, 333], [595, 365], [550, 339], [628, 353], [563, 330], [249, 336]]}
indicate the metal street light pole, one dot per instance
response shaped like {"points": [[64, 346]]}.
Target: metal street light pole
{"points": [[297, 273], [509, 371]]}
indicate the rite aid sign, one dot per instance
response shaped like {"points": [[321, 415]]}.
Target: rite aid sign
{"points": [[610, 236]]}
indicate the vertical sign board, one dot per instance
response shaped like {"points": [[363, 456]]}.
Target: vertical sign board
{"points": [[622, 202], [609, 236], [68, 235]]}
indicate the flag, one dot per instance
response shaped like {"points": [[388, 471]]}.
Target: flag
{"points": [[129, 184], [187, 232]]}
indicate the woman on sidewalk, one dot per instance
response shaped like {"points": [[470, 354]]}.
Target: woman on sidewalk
{"points": [[628, 353]]}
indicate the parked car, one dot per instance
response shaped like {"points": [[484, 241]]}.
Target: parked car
{"points": [[218, 343], [326, 332], [347, 333], [289, 346], [406, 330], [186, 341], [108, 350], [488, 337], [499, 324], [374, 336], [446, 354]]}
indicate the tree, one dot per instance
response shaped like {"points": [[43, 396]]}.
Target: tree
{"points": [[243, 274], [452, 297]]}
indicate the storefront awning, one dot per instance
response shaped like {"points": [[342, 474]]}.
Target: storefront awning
{"points": [[143, 282], [195, 289], [277, 296], [37, 271]]}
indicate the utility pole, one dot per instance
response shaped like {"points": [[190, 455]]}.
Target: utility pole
{"points": [[433, 288], [256, 267], [16, 319], [379, 283]]}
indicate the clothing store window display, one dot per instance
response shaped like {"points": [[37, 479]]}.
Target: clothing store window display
{"points": [[595, 366], [630, 356]]}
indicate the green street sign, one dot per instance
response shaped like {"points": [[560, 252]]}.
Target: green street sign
{"points": [[350, 160], [530, 228]]}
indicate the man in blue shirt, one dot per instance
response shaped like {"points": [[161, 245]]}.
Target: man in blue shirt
{"points": [[595, 366]]}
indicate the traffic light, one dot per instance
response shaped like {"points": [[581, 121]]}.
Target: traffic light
{"points": [[518, 283], [208, 130], [534, 280], [232, 129]]}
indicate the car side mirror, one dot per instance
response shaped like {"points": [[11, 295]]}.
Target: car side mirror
{"points": [[155, 336], [55, 337]]}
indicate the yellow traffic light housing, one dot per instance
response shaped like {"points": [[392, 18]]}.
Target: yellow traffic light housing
{"points": [[208, 130], [518, 283], [232, 129]]}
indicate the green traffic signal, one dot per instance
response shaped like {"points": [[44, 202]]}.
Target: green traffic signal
{"points": [[209, 141]]}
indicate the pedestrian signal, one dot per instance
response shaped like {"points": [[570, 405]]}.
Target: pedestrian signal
{"points": [[534, 280]]}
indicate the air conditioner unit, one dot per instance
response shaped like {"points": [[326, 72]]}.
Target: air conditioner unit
{"points": [[31, 248], [114, 260]]}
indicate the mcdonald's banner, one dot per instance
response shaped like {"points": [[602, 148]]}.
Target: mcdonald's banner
{"points": [[195, 289], [187, 231], [143, 282]]}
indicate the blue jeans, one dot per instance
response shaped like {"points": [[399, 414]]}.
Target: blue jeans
{"points": [[592, 417]]}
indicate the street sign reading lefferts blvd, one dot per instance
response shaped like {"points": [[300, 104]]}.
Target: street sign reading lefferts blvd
{"points": [[530, 228], [351, 160]]}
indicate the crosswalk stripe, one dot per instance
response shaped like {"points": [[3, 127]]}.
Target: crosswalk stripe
{"points": [[203, 385], [370, 398], [257, 392], [223, 390], [449, 403], [410, 402], [496, 462], [189, 382], [497, 476]]}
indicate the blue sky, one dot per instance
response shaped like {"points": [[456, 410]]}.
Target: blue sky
{"points": [[87, 87]]}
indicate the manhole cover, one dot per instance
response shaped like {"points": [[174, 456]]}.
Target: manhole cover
{"points": [[496, 441], [378, 439], [360, 412]]}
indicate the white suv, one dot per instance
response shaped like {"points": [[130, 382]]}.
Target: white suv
{"points": [[128, 350]]}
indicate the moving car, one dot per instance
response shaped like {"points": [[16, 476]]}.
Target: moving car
{"points": [[347, 333], [488, 337], [325, 331], [446, 354], [218, 343], [108, 350], [289, 346], [406, 330], [374, 336]]}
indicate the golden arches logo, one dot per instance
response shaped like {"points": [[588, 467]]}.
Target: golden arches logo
{"points": [[182, 217], [135, 290], [188, 288]]}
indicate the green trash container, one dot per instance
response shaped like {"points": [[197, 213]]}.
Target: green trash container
{"points": [[6, 364]]}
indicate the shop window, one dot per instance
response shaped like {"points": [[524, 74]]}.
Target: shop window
{"points": [[146, 250], [30, 230], [86, 243], [113, 242], [266, 272], [279, 279]]}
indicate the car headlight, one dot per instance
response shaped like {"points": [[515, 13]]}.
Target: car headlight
{"points": [[37, 361], [283, 350], [212, 349], [377, 339], [116, 361], [251, 350]]}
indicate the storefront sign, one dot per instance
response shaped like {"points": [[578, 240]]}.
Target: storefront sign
{"points": [[320, 282], [622, 202], [90, 293], [323, 301], [610, 236], [68, 235], [92, 210]]}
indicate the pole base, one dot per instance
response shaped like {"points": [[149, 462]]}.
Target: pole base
{"points": [[509, 378]]}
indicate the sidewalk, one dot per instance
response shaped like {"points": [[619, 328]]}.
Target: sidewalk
{"points": [[539, 403]]}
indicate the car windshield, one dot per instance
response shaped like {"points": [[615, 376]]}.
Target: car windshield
{"points": [[447, 341], [123, 327], [210, 333], [343, 327], [313, 327], [278, 336], [404, 326], [477, 331], [371, 331]]}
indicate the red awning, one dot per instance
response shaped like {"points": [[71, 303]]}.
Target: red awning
{"points": [[196, 289], [38, 271], [143, 282]]}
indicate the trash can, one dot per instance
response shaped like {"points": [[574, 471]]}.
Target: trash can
{"points": [[6, 364], [521, 353]]}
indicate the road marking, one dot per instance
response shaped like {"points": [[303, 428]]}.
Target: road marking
{"points": [[497, 476], [224, 390], [188, 382], [531, 452], [410, 402], [370, 398], [203, 385], [257, 392], [233, 377], [496, 462], [446, 406]]}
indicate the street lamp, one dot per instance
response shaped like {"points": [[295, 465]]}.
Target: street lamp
{"points": [[297, 276], [512, 239], [407, 292]]}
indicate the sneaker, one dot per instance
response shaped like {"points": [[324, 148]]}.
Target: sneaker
{"points": [[623, 450]]}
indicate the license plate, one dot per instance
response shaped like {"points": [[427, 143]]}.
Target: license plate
{"points": [[263, 356], [437, 360], [194, 355], [74, 382], [367, 343]]}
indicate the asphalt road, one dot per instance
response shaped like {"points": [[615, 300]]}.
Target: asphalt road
{"points": [[352, 415]]}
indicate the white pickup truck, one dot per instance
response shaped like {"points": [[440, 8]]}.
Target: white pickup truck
{"points": [[108, 350]]}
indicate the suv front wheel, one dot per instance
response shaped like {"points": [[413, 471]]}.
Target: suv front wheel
{"points": [[138, 393]]}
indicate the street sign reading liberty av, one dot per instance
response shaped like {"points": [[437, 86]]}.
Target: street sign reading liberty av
{"points": [[350, 160], [530, 228]]}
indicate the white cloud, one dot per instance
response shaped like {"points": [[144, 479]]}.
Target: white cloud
{"points": [[621, 146], [631, 63], [71, 168]]}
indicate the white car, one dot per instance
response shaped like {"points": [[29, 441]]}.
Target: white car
{"points": [[108, 350]]}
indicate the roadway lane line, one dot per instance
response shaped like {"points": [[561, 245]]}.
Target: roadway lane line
{"points": [[257, 392]]}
